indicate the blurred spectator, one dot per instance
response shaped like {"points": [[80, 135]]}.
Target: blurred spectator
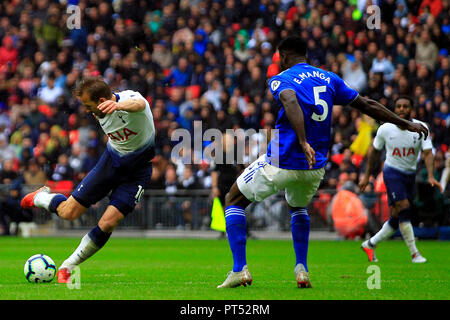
{"points": [[34, 175], [7, 172], [383, 65], [8, 55], [62, 171], [426, 50], [49, 93], [354, 75], [189, 180], [10, 211], [171, 185], [348, 213], [6, 150], [161, 55], [180, 75]]}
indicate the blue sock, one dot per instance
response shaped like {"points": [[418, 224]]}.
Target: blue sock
{"points": [[55, 202], [300, 235], [236, 230], [98, 236]]}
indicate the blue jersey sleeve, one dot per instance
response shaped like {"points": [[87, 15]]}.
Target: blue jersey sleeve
{"points": [[343, 94], [278, 84]]}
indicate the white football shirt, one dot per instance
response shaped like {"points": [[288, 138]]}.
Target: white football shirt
{"points": [[129, 131], [402, 146]]}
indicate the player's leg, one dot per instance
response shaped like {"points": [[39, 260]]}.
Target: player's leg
{"points": [[65, 208], [92, 242], [124, 197], [406, 229], [236, 228], [396, 191], [386, 231], [298, 195], [236, 225], [251, 185]]}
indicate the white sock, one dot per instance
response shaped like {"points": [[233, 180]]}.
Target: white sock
{"points": [[43, 199], [385, 232], [85, 250], [407, 232]]}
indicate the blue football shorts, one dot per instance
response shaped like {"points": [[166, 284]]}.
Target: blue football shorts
{"points": [[124, 184]]}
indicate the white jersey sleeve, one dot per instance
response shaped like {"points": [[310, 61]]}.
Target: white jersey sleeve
{"points": [[379, 140]]}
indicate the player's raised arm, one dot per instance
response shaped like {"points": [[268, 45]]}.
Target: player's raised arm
{"points": [[294, 114], [129, 105], [379, 112]]}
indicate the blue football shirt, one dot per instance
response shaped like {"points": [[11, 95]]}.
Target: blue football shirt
{"points": [[317, 91]]}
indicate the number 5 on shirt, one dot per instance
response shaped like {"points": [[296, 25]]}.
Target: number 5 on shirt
{"points": [[320, 102]]}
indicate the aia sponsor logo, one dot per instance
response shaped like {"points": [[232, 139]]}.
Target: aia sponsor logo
{"points": [[122, 135], [403, 152]]}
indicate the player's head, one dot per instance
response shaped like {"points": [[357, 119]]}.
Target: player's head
{"points": [[292, 49], [92, 91], [403, 106]]}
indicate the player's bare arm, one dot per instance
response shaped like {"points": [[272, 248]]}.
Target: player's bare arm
{"points": [[373, 157], [129, 105], [429, 163], [379, 112], [294, 114]]}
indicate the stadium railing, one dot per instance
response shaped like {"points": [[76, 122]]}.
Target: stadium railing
{"points": [[191, 210]]}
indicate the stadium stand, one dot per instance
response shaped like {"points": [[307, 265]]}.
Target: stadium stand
{"points": [[209, 60]]}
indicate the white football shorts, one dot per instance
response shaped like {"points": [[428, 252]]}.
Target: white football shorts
{"points": [[261, 180]]}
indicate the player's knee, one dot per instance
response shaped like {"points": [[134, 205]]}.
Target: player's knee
{"points": [[108, 225], [235, 198], [401, 205], [228, 199]]}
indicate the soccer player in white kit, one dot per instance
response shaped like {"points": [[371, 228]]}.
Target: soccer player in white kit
{"points": [[123, 172], [399, 173]]}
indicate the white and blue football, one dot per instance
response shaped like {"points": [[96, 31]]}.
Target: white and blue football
{"points": [[39, 268]]}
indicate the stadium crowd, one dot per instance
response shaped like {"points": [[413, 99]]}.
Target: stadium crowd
{"points": [[208, 60]]}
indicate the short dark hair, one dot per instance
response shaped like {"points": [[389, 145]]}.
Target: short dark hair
{"points": [[411, 101], [96, 87], [293, 44]]}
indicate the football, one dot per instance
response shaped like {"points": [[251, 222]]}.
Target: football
{"points": [[39, 268]]}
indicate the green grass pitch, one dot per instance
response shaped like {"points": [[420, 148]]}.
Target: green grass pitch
{"points": [[179, 269]]}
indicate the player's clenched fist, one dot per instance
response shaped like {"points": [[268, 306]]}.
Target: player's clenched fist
{"points": [[108, 106]]}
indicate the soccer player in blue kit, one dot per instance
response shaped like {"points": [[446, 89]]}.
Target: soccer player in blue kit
{"points": [[297, 154], [123, 172]]}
